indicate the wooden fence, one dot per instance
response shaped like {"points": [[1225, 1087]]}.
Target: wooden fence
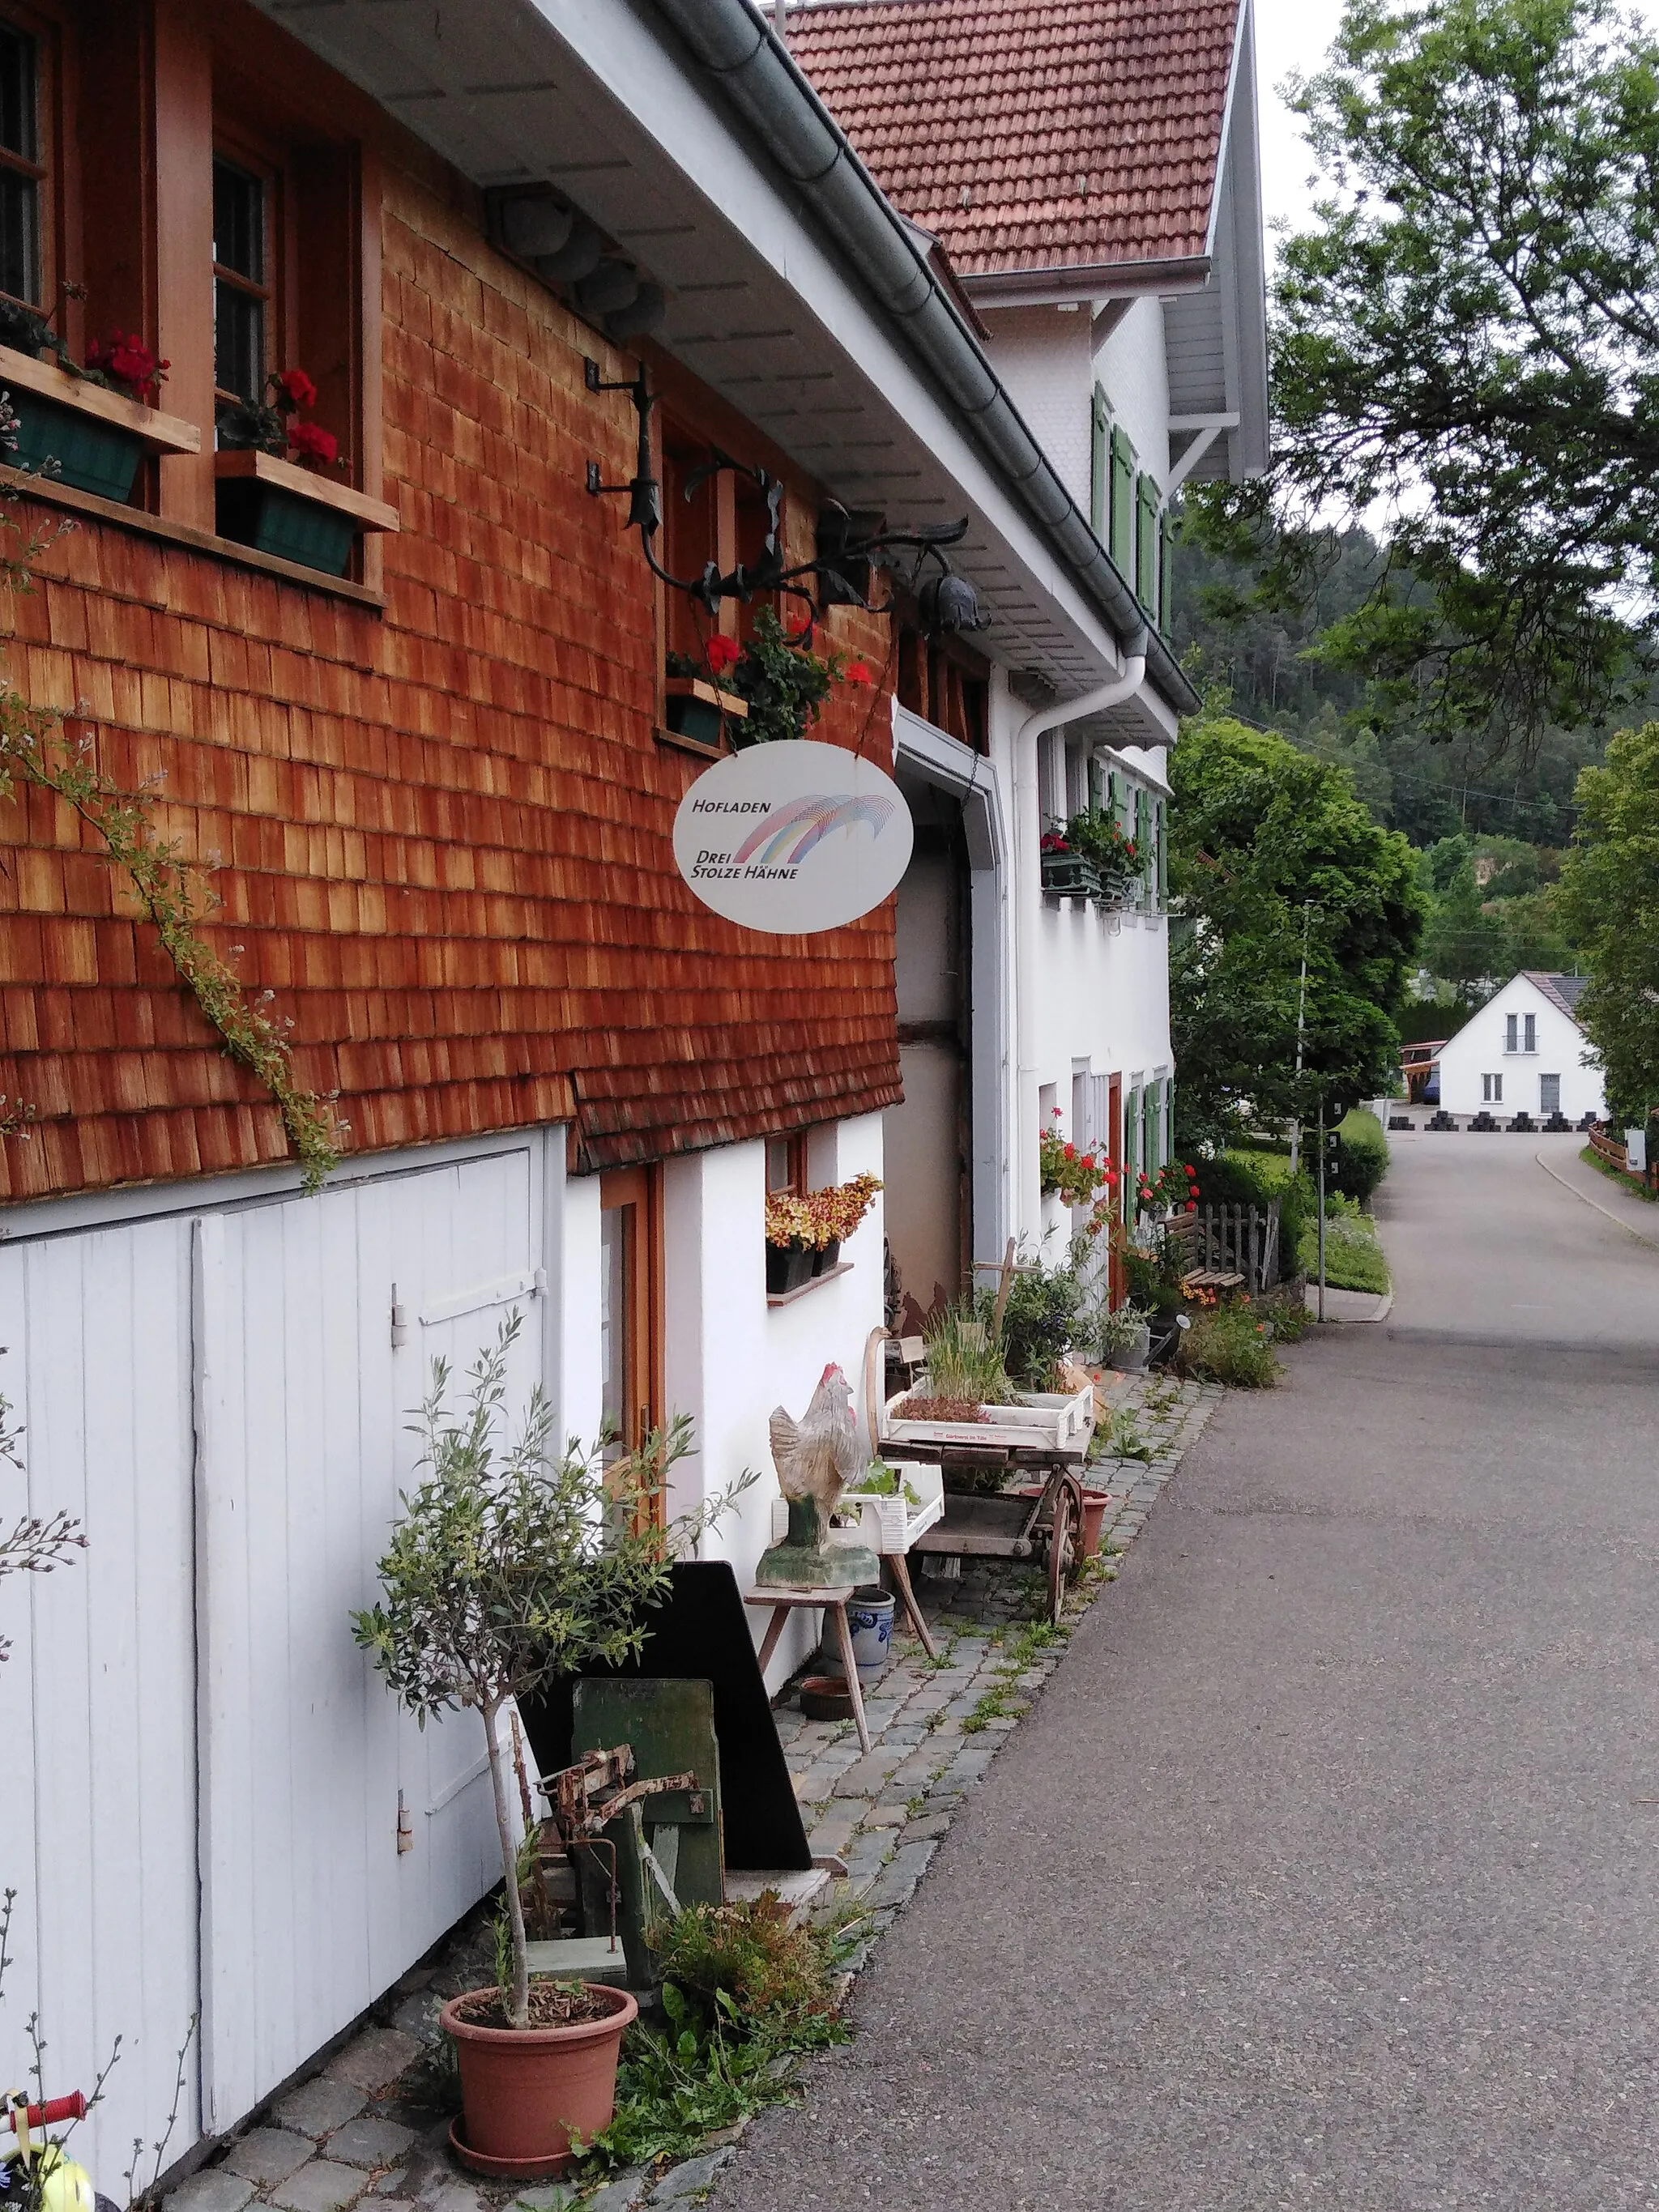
{"points": [[1229, 1240], [1607, 1146]]}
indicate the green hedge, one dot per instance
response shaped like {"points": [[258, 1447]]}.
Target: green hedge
{"points": [[1362, 1156]]}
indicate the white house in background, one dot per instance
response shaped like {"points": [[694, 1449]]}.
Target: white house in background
{"points": [[1101, 216], [1523, 1053]]}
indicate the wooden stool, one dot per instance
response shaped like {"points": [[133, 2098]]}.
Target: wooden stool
{"points": [[832, 1601]]}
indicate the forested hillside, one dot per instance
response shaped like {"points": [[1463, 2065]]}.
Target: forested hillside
{"points": [[1488, 833]]}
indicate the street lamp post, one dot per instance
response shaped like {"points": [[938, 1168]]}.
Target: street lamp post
{"points": [[1301, 1021]]}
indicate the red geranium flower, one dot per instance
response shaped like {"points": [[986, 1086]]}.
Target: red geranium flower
{"points": [[1192, 1206], [312, 443], [858, 672], [297, 388], [721, 653], [126, 360]]}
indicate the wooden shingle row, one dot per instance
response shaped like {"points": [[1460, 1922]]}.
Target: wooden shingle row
{"points": [[439, 835]]}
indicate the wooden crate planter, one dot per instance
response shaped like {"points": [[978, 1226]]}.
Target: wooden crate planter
{"points": [[1059, 1423], [296, 514], [96, 437], [887, 1525], [701, 711]]}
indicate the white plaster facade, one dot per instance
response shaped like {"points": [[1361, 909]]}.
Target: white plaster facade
{"points": [[1522, 1052]]}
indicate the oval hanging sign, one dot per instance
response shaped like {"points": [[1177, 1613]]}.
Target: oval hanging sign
{"points": [[792, 837]]}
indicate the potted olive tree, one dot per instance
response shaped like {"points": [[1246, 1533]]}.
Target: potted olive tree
{"points": [[509, 1566]]}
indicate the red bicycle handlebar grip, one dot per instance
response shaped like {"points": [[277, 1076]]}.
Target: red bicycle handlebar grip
{"points": [[72, 2107]]}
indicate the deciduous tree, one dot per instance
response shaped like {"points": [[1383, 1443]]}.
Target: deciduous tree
{"points": [[1467, 341], [1259, 828], [1608, 895]]}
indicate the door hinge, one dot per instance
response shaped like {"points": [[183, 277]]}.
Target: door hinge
{"points": [[399, 1321]]}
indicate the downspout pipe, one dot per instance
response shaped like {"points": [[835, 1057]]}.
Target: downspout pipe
{"points": [[764, 86], [1028, 868]]}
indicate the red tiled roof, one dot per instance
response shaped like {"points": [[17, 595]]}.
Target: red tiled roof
{"points": [[1032, 136]]}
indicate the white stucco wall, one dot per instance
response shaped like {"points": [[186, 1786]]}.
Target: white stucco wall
{"points": [[729, 1357], [1098, 984], [1477, 1050], [1045, 358], [1133, 368]]}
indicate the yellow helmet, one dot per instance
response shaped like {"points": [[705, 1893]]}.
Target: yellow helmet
{"points": [[65, 2186]]}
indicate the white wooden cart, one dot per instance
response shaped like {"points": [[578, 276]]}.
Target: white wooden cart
{"points": [[1045, 1435]]}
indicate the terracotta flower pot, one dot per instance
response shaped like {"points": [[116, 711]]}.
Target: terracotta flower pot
{"points": [[524, 2092], [1095, 1503]]}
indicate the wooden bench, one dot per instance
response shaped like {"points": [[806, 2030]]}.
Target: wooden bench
{"points": [[1183, 1233]]}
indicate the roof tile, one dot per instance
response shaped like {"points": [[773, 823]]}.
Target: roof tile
{"points": [[1026, 135]]}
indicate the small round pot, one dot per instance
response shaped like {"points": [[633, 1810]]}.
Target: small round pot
{"points": [[524, 2092], [870, 1618]]}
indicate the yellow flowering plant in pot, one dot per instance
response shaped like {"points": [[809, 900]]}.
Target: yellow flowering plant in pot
{"points": [[804, 1232]]}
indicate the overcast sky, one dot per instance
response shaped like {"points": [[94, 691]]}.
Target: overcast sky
{"points": [[1289, 34]]}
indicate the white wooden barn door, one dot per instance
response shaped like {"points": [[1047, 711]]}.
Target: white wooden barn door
{"points": [[97, 1700], [308, 1910]]}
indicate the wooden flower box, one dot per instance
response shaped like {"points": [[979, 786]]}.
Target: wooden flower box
{"points": [[699, 710], [1069, 876], [297, 514], [96, 437], [1058, 1421], [887, 1525]]}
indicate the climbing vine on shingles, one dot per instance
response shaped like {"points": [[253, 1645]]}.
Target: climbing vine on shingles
{"points": [[36, 749], [34, 746]]}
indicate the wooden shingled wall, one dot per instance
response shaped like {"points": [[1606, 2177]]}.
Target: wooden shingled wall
{"points": [[442, 833]]}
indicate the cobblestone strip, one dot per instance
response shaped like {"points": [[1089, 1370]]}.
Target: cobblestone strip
{"points": [[342, 2138]]}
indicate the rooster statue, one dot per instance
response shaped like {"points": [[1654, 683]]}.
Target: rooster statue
{"points": [[816, 1458]]}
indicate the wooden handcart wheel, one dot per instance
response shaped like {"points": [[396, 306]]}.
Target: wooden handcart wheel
{"points": [[1064, 1531]]}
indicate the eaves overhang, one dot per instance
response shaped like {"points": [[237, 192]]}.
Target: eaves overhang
{"points": [[795, 290]]}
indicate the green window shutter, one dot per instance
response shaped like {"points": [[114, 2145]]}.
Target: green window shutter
{"points": [[1146, 544], [1115, 794], [1166, 581], [1099, 465], [1161, 836], [1143, 835], [1122, 544], [1169, 1117], [1131, 1148], [1149, 1129]]}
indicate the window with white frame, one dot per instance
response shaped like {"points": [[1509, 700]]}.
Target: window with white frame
{"points": [[1492, 1089]]}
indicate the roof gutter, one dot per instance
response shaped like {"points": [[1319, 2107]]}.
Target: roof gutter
{"points": [[762, 82]]}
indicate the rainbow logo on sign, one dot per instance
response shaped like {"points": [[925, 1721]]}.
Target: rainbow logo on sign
{"points": [[789, 832]]}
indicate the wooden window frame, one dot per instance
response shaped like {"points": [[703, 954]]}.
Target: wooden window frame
{"points": [[637, 1192], [797, 1184], [258, 161], [697, 416], [46, 170]]}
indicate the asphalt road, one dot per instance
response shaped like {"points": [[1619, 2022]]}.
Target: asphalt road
{"points": [[1325, 1871]]}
